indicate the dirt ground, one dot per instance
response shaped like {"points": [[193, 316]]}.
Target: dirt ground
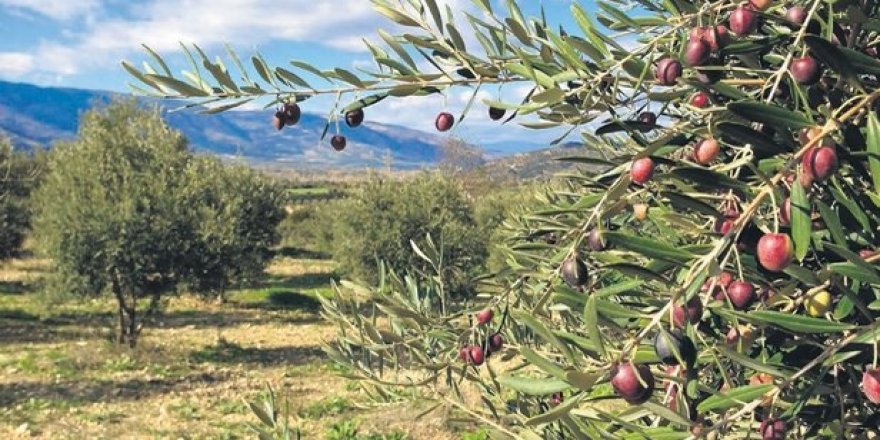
{"points": [[62, 376]]}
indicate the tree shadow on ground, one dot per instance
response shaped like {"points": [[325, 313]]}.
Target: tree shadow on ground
{"points": [[85, 391], [285, 300], [90, 391], [31, 332], [13, 288], [299, 282], [17, 326], [17, 315], [225, 318], [300, 253], [232, 353]]}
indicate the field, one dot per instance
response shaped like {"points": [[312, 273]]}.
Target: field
{"points": [[63, 376]]}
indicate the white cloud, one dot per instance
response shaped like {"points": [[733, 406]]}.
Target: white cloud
{"points": [[16, 63], [162, 24], [56, 9], [166, 22], [100, 39]]}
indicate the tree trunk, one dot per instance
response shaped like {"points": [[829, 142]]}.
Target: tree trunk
{"points": [[121, 339], [133, 329], [221, 294], [120, 302], [153, 308], [127, 302]]}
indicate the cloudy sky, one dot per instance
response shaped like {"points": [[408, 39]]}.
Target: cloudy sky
{"points": [[79, 43]]}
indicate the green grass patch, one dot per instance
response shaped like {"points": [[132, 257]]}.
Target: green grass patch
{"points": [[231, 406], [188, 410], [287, 293], [120, 364], [349, 430], [103, 417], [52, 362], [30, 409], [480, 434], [331, 406], [310, 191]]}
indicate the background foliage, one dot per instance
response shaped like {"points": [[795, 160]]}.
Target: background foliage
{"points": [[19, 175]]}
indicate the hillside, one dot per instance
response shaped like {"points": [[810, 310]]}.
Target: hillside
{"points": [[539, 164], [32, 115]]}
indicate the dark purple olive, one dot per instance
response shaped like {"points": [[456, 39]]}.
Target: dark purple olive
{"points": [[668, 71], [805, 70], [354, 118], [292, 113], [338, 142], [496, 113], [444, 121], [696, 53]]}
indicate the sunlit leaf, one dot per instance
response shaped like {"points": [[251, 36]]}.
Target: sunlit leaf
{"points": [[793, 322], [734, 398], [873, 142], [801, 223], [557, 412], [648, 247], [178, 86], [769, 114], [533, 386], [591, 321]]}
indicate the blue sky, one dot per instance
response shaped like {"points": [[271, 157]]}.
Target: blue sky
{"points": [[79, 43]]}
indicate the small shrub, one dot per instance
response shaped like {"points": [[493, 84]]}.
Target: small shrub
{"points": [[326, 407], [307, 229], [480, 434], [491, 210], [234, 216], [344, 430], [19, 175], [381, 219]]}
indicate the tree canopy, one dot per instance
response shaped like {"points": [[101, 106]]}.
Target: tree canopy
{"points": [[127, 210]]}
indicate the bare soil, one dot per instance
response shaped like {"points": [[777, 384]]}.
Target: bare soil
{"points": [[196, 366]]}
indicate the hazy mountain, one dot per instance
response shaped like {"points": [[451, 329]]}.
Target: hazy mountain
{"points": [[32, 115], [540, 164], [503, 149]]}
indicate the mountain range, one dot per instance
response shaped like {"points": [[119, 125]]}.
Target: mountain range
{"points": [[32, 115]]}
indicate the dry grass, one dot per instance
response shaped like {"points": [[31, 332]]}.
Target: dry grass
{"points": [[61, 376], [22, 270]]}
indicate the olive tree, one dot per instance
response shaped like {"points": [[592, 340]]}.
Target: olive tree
{"points": [[127, 210], [380, 221], [107, 212], [235, 213], [19, 175], [715, 278]]}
